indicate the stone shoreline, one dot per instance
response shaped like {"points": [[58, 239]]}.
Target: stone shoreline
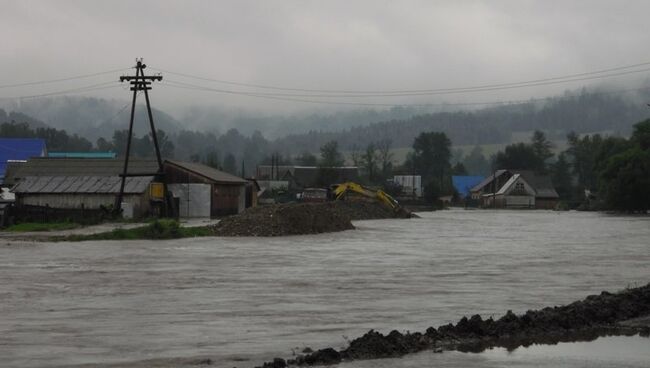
{"points": [[624, 313]]}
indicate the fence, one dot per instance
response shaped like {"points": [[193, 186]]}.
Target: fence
{"points": [[29, 213]]}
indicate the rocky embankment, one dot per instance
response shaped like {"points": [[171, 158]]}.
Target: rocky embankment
{"points": [[596, 315], [301, 218]]}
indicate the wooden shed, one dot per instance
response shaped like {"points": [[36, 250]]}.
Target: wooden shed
{"points": [[204, 191]]}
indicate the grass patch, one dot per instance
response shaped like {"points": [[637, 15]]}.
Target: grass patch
{"points": [[157, 229], [41, 226]]}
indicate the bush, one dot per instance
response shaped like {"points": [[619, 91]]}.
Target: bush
{"points": [[162, 229]]}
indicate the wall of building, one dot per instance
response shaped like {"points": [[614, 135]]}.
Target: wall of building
{"points": [[194, 199], [226, 199], [503, 201], [546, 203], [140, 202]]}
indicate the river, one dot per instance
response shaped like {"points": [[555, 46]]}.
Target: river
{"points": [[242, 301]]}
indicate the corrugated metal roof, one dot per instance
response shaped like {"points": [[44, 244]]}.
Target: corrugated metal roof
{"points": [[207, 172], [81, 184], [48, 166]]}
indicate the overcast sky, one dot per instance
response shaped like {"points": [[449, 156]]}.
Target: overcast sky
{"points": [[338, 45]]}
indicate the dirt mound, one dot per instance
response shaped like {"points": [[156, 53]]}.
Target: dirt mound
{"points": [[584, 320], [301, 218], [285, 219]]}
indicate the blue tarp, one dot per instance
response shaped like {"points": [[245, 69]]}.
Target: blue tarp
{"points": [[19, 149], [464, 183]]}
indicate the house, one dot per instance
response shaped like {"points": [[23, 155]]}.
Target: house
{"points": [[302, 177], [515, 193], [203, 191], [411, 184], [297, 178], [19, 150], [545, 196]]}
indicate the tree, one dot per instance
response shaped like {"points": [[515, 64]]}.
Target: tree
{"points": [[356, 155], [369, 162], [519, 156], [229, 164], [104, 145], [212, 160], [330, 155], [307, 159], [625, 181], [475, 163], [385, 157], [641, 135], [458, 169], [164, 144], [431, 154], [542, 146], [561, 176]]}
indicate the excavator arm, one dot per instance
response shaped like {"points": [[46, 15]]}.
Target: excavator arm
{"points": [[380, 195]]}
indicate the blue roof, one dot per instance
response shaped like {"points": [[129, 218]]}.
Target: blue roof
{"points": [[464, 183], [19, 149], [82, 154]]}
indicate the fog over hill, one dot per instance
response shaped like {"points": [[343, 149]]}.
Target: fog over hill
{"points": [[582, 111]]}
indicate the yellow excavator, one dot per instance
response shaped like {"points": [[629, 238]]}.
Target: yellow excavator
{"points": [[340, 190]]}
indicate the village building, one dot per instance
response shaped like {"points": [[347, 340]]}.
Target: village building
{"points": [[410, 185], [204, 191], [297, 178], [531, 189], [19, 150], [70, 188]]}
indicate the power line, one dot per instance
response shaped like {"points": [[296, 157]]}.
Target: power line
{"points": [[93, 87], [63, 79], [558, 79], [436, 92], [280, 98]]}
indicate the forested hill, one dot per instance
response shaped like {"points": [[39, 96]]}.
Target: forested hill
{"points": [[582, 112], [88, 117]]}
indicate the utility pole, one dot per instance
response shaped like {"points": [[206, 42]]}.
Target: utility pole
{"points": [[139, 82]]}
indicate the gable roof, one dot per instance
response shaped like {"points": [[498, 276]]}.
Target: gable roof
{"points": [[207, 172], [514, 179], [48, 166], [19, 149], [487, 180], [541, 183], [81, 184]]}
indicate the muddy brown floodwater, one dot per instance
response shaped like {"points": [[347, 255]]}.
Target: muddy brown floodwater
{"points": [[242, 301]]}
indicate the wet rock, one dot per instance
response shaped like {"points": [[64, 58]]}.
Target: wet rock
{"points": [[324, 356], [623, 313]]}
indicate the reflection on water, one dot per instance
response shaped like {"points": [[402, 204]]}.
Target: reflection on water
{"points": [[242, 301], [610, 352]]}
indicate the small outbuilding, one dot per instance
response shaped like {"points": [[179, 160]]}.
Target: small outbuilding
{"points": [[203, 191]]}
